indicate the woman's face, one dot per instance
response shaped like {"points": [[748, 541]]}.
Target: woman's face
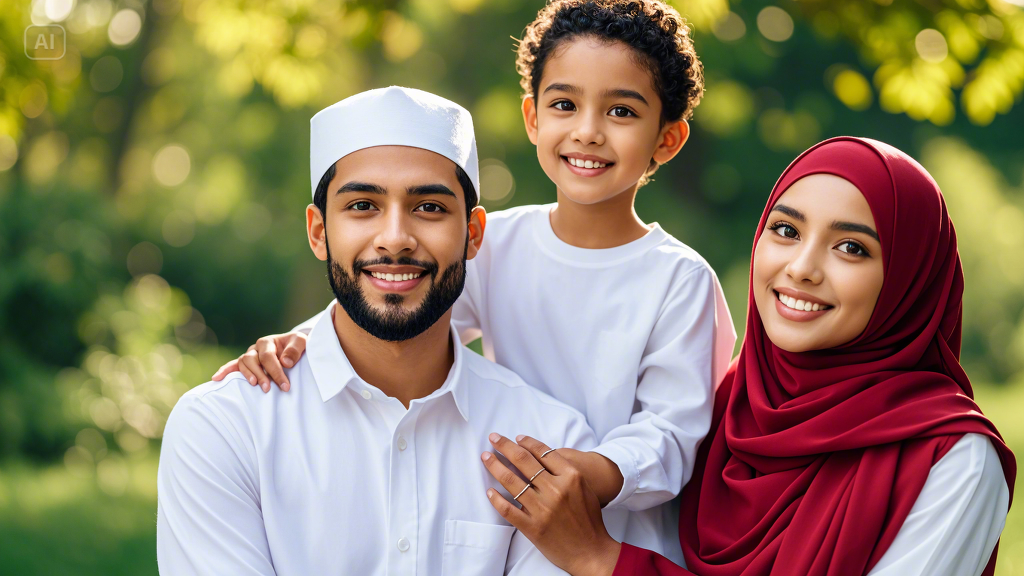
{"points": [[818, 265]]}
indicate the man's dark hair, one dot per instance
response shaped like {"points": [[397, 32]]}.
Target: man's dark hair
{"points": [[320, 196], [655, 31]]}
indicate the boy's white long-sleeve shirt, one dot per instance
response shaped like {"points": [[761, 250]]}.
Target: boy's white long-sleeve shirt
{"points": [[635, 337]]}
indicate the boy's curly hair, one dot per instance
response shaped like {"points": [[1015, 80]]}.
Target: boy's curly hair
{"points": [[653, 29]]}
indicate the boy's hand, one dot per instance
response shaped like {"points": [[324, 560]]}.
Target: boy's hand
{"points": [[602, 474], [266, 360]]}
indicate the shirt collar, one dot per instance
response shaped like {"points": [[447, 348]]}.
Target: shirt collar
{"points": [[333, 372]]}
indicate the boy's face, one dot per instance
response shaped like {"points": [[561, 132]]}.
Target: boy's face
{"points": [[597, 120], [396, 238]]}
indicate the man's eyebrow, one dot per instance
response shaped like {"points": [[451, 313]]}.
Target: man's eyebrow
{"points": [[362, 187], [428, 189], [854, 227], [791, 212], [625, 93], [561, 87]]}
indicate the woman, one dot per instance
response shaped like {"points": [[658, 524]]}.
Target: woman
{"points": [[845, 439]]}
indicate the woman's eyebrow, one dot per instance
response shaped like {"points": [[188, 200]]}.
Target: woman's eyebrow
{"points": [[854, 227], [791, 212]]}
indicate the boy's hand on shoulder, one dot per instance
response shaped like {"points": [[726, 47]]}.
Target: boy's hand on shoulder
{"points": [[266, 360], [601, 474]]}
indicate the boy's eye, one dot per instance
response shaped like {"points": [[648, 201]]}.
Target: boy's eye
{"points": [[851, 247], [564, 106], [361, 206], [621, 112], [431, 208], [784, 230]]}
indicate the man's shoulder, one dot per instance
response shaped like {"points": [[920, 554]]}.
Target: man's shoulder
{"points": [[499, 385], [234, 398]]}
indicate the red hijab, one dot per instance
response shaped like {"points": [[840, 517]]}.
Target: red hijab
{"points": [[814, 459]]}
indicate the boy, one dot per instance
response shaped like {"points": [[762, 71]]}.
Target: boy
{"points": [[582, 299]]}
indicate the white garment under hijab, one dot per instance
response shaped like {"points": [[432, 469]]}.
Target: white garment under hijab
{"points": [[336, 478]]}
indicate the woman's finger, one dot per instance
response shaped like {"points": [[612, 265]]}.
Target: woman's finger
{"points": [[550, 459], [252, 363], [225, 370], [294, 347], [508, 511], [518, 456], [516, 486]]}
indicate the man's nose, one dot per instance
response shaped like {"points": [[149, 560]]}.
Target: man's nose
{"points": [[395, 234]]}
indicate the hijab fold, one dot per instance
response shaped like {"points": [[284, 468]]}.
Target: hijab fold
{"points": [[815, 459]]}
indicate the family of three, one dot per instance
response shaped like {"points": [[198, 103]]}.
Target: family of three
{"points": [[605, 430]]}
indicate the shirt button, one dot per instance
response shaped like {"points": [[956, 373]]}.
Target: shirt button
{"points": [[366, 394], [403, 544], [402, 444]]}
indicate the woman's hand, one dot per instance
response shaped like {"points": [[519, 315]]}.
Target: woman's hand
{"points": [[266, 360], [560, 513]]}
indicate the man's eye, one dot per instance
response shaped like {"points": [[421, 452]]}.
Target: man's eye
{"points": [[564, 105], [852, 248], [362, 206], [621, 112], [431, 207]]}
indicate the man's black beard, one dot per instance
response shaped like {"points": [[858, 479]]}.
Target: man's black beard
{"points": [[394, 324]]}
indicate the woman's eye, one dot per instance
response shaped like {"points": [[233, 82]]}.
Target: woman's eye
{"points": [[362, 206], [852, 248], [564, 106], [785, 230], [431, 207], [621, 112]]}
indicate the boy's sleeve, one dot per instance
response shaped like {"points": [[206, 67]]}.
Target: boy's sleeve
{"points": [[466, 311], [209, 520], [687, 353]]}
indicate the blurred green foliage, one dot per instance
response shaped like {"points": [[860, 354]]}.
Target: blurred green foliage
{"points": [[153, 180]]}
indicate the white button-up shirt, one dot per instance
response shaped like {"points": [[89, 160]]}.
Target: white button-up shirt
{"points": [[335, 477]]}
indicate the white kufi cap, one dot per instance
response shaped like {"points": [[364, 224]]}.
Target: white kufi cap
{"points": [[393, 116]]}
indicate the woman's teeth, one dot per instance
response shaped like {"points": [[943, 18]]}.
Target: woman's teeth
{"points": [[585, 163], [795, 304], [395, 277]]}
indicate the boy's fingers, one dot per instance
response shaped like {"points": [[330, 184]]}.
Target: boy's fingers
{"points": [[293, 351], [225, 370], [255, 369], [249, 376], [552, 461], [268, 360]]}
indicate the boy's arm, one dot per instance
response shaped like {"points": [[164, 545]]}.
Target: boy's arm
{"points": [[655, 451], [209, 520]]}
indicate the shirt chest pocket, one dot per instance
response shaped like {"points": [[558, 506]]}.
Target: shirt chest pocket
{"points": [[475, 549]]}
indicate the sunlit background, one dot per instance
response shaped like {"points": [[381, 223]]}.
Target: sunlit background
{"points": [[154, 176]]}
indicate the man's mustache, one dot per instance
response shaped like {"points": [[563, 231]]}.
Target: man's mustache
{"points": [[430, 267]]}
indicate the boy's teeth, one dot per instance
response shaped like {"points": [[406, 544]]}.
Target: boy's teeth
{"points": [[585, 163]]}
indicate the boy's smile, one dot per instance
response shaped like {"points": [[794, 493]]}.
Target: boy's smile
{"points": [[597, 120]]}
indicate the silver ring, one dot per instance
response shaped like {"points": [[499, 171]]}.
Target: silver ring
{"points": [[516, 498], [548, 452], [542, 469]]}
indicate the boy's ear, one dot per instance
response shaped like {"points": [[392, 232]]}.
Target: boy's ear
{"points": [[316, 231], [530, 118], [477, 223], [673, 136]]}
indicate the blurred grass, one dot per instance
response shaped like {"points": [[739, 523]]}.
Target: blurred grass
{"points": [[56, 520]]}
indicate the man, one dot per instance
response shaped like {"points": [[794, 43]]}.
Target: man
{"points": [[370, 464]]}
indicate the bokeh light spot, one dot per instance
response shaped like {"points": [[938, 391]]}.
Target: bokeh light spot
{"points": [[852, 89], [124, 27], [33, 99], [497, 185], [171, 165], [106, 74], [730, 28], [145, 258], [775, 24], [179, 228], [8, 152], [931, 45]]}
